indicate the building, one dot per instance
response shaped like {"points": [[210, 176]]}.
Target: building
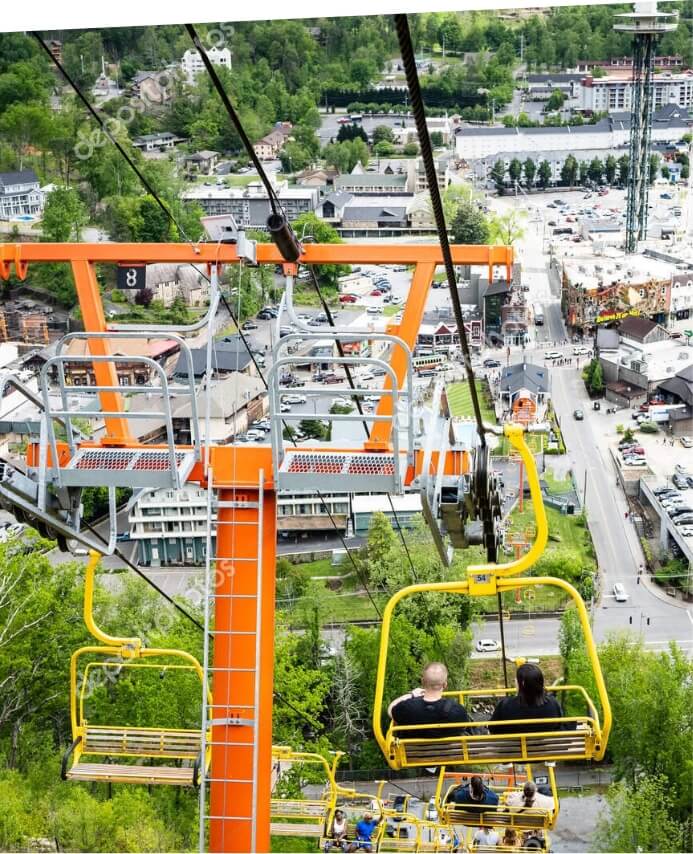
{"points": [[157, 142], [163, 352], [317, 177], [613, 132], [481, 168], [20, 194], [525, 390], [191, 64], [646, 357], [250, 205], [302, 514], [681, 304], [540, 86], [269, 146], [373, 183], [201, 163], [228, 356], [154, 87], [627, 62], [606, 288], [679, 390], [614, 92], [177, 281], [363, 507]]}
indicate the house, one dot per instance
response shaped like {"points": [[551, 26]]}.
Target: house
{"points": [[228, 356], [135, 372], [201, 163], [250, 206], [372, 183], [332, 207], [20, 194], [525, 391], [157, 142], [191, 64], [171, 281], [679, 390], [154, 87], [269, 146], [317, 177], [641, 330]]}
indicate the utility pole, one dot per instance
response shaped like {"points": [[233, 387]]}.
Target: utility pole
{"points": [[522, 48], [584, 493]]}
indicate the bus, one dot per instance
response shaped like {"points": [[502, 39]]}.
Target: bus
{"points": [[429, 362], [538, 314]]}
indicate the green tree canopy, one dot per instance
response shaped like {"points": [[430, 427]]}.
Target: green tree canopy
{"points": [[469, 224]]}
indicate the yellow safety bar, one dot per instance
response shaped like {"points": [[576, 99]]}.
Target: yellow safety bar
{"points": [[484, 580]]}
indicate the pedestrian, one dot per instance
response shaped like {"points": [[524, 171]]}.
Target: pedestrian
{"points": [[626, 515]]}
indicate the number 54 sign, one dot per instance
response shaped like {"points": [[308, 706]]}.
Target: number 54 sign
{"points": [[132, 277]]}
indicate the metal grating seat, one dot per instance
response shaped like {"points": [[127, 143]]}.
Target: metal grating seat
{"points": [[357, 472], [136, 467]]}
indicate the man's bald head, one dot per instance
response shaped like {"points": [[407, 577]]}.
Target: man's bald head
{"points": [[434, 677]]}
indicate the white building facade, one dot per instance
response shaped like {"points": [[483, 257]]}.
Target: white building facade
{"points": [[192, 65]]}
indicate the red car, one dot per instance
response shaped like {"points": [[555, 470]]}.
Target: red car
{"points": [[376, 293], [633, 449], [347, 298]]}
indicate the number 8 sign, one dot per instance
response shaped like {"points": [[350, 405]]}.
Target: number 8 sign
{"points": [[132, 277]]}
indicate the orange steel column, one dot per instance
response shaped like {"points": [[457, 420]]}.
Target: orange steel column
{"points": [[240, 812], [408, 330], [94, 321]]}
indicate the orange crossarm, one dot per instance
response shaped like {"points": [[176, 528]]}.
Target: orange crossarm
{"points": [[267, 253]]}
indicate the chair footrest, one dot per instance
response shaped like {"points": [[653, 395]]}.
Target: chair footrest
{"points": [[136, 467], [144, 774]]}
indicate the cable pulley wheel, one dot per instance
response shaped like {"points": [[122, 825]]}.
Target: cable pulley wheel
{"points": [[487, 501]]}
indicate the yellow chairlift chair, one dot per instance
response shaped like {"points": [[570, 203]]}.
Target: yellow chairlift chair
{"points": [[129, 754], [580, 737], [298, 816]]}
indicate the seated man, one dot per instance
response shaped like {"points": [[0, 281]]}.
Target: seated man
{"points": [[426, 705], [530, 798], [486, 837], [474, 793], [336, 836], [364, 832]]}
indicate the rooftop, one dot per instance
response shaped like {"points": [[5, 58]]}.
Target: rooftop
{"points": [[661, 360]]}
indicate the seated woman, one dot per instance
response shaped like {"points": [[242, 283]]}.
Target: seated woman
{"points": [[530, 798], [530, 702], [510, 838]]}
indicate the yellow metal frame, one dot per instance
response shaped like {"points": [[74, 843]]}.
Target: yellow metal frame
{"points": [[487, 580], [304, 816], [501, 815], [128, 651]]}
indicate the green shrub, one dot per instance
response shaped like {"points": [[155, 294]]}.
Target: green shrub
{"points": [[620, 428], [649, 427]]}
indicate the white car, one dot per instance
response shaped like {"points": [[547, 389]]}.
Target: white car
{"points": [[294, 398], [341, 401], [487, 645], [553, 354], [687, 442], [256, 435], [374, 309], [635, 461], [581, 351], [620, 594], [681, 470], [687, 530]]}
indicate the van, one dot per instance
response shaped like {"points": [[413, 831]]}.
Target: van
{"points": [[620, 594]]}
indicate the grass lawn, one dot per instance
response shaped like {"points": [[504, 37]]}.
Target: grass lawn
{"points": [[460, 400], [557, 486], [534, 442], [488, 672], [391, 310]]}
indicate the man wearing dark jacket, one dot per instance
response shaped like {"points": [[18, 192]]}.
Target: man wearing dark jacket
{"points": [[426, 705]]}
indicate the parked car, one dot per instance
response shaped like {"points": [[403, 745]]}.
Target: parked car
{"points": [[374, 309], [581, 350], [347, 298], [553, 354], [633, 450], [684, 519], [377, 293], [578, 415], [686, 530], [680, 481], [661, 490], [255, 435], [285, 407], [249, 325], [294, 398], [620, 594], [487, 645], [679, 469], [679, 510], [491, 363], [635, 461]]}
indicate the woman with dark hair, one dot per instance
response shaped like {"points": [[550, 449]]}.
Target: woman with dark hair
{"points": [[530, 702]]}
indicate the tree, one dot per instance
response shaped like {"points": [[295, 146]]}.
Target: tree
{"points": [[351, 131], [595, 170], [437, 139], [24, 126], [623, 169], [498, 174], [569, 171], [383, 133], [469, 224], [294, 157], [507, 228], [610, 166], [156, 226], [545, 174], [653, 168], [380, 550], [144, 297], [64, 216], [597, 379], [530, 170], [640, 818], [410, 149], [515, 170], [556, 100], [384, 149], [583, 168], [685, 172], [666, 174]]}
